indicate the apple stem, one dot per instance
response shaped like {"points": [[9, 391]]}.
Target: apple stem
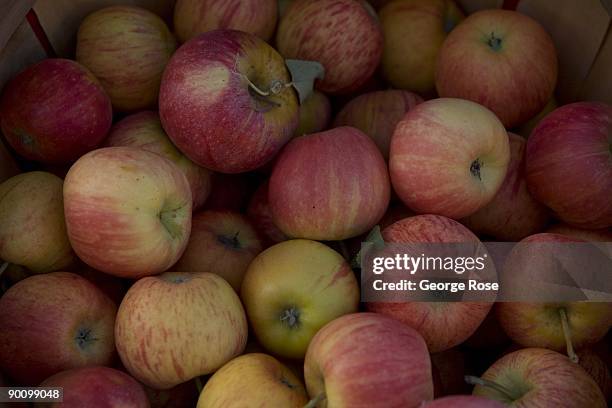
{"points": [[275, 88], [473, 380], [315, 401], [3, 267], [198, 383], [568, 336]]}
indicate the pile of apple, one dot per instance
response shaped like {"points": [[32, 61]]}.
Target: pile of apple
{"points": [[181, 224]]}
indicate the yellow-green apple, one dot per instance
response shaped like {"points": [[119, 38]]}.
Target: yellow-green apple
{"points": [[54, 111], [260, 215], [254, 380], [96, 386], [177, 326], [443, 325], [221, 242], [501, 59], [193, 17], [343, 35], [463, 401], [448, 157], [377, 114], [569, 163], [526, 128], [330, 185], [597, 369], [413, 32], [8, 166], [224, 101], [315, 114], [183, 395], [368, 360], [127, 48], [53, 322], [128, 211], [144, 130], [294, 288], [535, 377], [513, 213], [32, 228], [230, 191]]}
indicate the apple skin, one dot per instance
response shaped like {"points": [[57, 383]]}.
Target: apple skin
{"points": [[448, 157], [193, 17], [463, 401], [32, 228], [297, 279], [315, 114], [210, 112], [569, 164], [377, 113], [597, 369], [314, 194], [260, 215], [39, 116], [221, 242], [253, 379], [542, 378], [501, 59], [163, 319], [96, 387], [343, 35], [8, 166], [513, 213], [127, 48], [128, 211], [599, 235], [359, 357], [443, 325], [144, 130], [53, 322], [413, 32]]}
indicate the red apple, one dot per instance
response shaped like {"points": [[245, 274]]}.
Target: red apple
{"points": [[315, 114], [8, 166], [54, 111], [221, 242], [442, 163], [144, 130], [128, 48], [330, 185], [463, 401], [177, 326], [368, 360], [377, 113], [260, 215], [603, 235], [54, 322], [501, 59], [211, 103], [343, 35], [569, 164], [128, 211], [513, 213], [193, 17], [95, 387], [443, 325], [597, 369]]}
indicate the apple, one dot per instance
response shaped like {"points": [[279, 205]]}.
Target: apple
{"points": [[598, 235], [597, 369], [443, 325], [183, 395], [193, 17], [128, 211], [221, 242], [8, 166], [377, 113], [224, 101], [177, 326], [569, 164], [513, 213], [54, 111], [526, 128], [535, 377], [53, 322], [502, 59], [253, 379], [315, 114], [448, 157], [463, 401], [32, 228], [368, 360], [128, 48], [292, 289], [413, 32], [97, 386], [144, 130], [330, 185], [343, 35], [260, 215]]}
